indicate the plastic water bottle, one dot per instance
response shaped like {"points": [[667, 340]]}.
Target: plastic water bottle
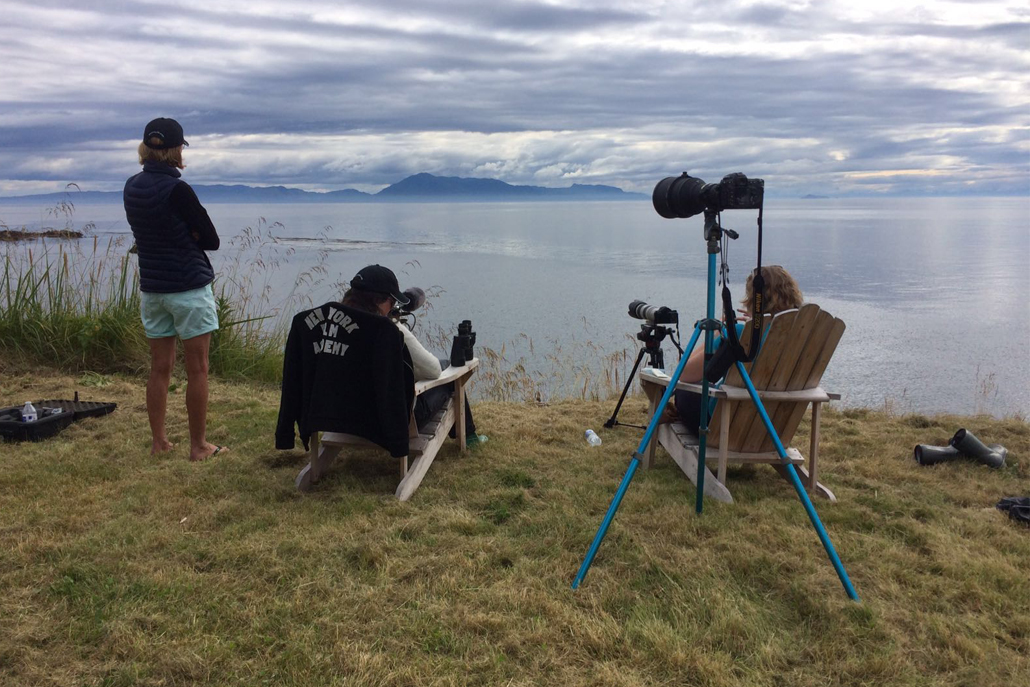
{"points": [[28, 412], [592, 438]]}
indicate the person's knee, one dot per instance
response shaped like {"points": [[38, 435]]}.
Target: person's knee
{"points": [[161, 368], [196, 366], [196, 355]]}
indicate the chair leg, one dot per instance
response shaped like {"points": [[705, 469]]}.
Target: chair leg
{"points": [[724, 440], [813, 448], [818, 489], [420, 465], [654, 395], [458, 399], [413, 477], [322, 457], [686, 457]]}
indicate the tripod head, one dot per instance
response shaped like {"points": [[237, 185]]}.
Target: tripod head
{"points": [[652, 335]]}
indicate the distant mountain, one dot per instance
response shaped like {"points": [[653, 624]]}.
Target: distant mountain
{"points": [[429, 187], [219, 193], [418, 187], [216, 193], [52, 199]]}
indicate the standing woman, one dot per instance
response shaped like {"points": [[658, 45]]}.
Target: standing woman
{"points": [[172, 231]]}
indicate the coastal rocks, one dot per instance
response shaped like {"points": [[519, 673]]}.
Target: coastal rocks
{"points": [[22, 235]]}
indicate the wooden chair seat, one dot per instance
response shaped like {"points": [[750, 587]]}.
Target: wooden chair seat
{"points": [[422, 446]]}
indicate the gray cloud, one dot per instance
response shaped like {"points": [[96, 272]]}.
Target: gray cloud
{"points": [[331, 95]]}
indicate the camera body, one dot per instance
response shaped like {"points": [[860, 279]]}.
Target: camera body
{"points": [[737, 192], [685, 196]]}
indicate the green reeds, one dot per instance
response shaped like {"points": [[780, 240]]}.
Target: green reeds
{"points": [[77, 309], [72, 309]]}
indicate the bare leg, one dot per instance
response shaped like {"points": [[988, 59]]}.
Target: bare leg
{"points": [[196, 395], [162, 360]]}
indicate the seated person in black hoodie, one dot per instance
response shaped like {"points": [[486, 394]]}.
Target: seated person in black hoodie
{"points": [[375, 289]]}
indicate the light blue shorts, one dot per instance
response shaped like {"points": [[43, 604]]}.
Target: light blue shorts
{"points": [[186, 313]]}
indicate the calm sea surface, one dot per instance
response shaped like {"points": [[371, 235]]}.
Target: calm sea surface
{"points": [[934, 292]]}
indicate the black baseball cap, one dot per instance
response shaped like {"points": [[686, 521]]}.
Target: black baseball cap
{"points": [[168, 130], [378, 279]]}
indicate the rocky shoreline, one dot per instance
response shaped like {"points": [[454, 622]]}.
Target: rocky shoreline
{"points": [[22, 235]]}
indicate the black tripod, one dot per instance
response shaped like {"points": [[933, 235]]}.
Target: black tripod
{"points": [[652, 336]]}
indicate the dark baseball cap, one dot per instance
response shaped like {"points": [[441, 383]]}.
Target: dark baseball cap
{"points": [[378, 279], [168, 130]]}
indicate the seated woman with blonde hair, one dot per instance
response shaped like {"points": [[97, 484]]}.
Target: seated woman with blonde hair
{"points": [[781, 293]]}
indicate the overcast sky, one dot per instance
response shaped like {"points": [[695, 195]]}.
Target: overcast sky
{"points": [[828, 97]]}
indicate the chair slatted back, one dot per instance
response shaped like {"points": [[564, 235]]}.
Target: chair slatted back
{"points": [[733, 379], [794, 355]]}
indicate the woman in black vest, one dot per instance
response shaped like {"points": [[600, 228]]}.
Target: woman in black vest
{"points": [[172, 231]]}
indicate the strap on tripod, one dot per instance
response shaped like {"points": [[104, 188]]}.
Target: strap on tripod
{"points": [[730, 349]]}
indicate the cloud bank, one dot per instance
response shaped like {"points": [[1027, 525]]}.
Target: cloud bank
{"points": [[820, 97]]}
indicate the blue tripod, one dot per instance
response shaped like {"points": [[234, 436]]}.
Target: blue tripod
{"points": [[709, 325]]}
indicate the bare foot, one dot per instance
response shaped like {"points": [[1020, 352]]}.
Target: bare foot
{"points": [[208, 451], [160, 446]]}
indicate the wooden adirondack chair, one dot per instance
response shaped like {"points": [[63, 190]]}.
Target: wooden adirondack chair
{"points": [[423, 446], [786, 374]]}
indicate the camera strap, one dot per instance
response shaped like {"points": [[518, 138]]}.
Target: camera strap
{"points": [[730, 349]]}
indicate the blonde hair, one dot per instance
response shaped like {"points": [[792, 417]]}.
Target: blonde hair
{"points": [[781, 291], [171, 156]]}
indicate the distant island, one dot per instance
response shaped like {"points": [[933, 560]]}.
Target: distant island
{"points": [[421, 188]]}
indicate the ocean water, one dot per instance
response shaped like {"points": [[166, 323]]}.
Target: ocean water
{"points": [[934, 291]]}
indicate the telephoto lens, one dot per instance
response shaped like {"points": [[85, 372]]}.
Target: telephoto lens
{"points": [[681, 197], [654, 314]]}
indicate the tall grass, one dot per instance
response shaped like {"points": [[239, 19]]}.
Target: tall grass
{"points": [[71, 309], [522, 371], [78, 309]]}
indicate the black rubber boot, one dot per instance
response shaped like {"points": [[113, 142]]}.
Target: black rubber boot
{"points": [[992, 456], [931, 455]]}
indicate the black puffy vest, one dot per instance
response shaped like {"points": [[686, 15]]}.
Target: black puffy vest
{"points": [[169, 259]]}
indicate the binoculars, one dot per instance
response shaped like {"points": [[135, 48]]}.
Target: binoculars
{"points": [[461, 347], [962, 445]]}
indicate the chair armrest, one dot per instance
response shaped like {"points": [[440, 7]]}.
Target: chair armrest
{"points": [[813, 395], [449, 376]]}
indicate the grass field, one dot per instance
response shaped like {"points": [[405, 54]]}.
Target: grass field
{"points": [[117, 568]]}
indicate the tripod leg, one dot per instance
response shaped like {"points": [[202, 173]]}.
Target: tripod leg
{"points": [[629, 381], [702, 433], [633, 464], [702, 430], [798, 487]]}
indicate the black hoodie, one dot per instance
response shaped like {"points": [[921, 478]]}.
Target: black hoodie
{"points": [[345, 370]]}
